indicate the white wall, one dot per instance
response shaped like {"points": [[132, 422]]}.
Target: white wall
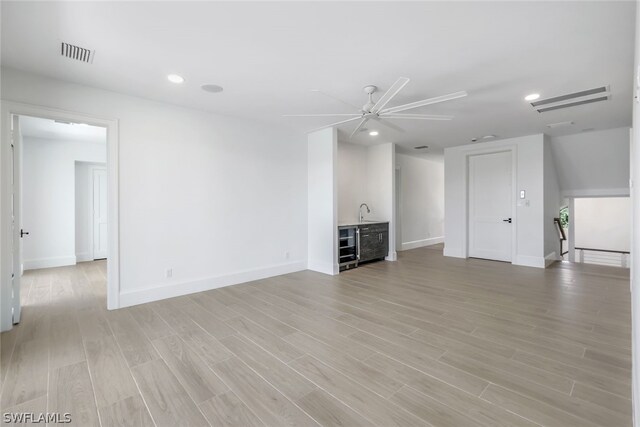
{"points": [[381, 188], [322, 205], [84, 209], [367, 175], [352, 180], [603, 223], [197, 193], [421, 198], [49, 198], [553, 201], [635, 228], [593, 163], [529, 213]]}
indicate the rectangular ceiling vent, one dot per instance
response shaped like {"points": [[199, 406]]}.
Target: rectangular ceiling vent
{"points": [[572, 99], [78, 53]]}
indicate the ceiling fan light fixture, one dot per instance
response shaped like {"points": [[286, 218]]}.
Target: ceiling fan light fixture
{"points": [[378, 111]]}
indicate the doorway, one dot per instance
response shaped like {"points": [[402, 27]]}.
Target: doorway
{"points": [[490, 206], [17, 252]]}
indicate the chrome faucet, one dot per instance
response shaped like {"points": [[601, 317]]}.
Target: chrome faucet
{"points": [[360, 211]]}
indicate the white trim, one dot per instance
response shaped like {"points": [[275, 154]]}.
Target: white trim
{"points": [[83, 257], [392, 256], [159, 292], [530, 261], [598, 192], [571, 238], [323, 267], [113, 265], [550, 259], [405, 246], [60, 261]]}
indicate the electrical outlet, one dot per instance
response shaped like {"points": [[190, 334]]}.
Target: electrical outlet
{"points": [[169, 273], [286, 254]]}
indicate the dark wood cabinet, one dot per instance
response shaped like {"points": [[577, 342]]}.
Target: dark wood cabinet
{"points": [[374, 241], [362, 242]]}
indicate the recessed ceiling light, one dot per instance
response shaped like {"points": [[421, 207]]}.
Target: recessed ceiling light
{"points": [[174, 78], [211, 88], [373, 133], [532, 97], [488, 137]]}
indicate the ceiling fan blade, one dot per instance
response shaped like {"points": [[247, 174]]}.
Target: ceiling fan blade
{"points": [[389, 125], [416, 116], [390, 94], [357, 129], [334, 124], [424, 102], [322, 115], [335, 98]]}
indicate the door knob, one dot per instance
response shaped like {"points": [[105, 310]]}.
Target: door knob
{"points": [[22, 233], [507, 220]]}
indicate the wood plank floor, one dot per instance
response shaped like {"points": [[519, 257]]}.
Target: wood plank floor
{"points": [[426, 340]]}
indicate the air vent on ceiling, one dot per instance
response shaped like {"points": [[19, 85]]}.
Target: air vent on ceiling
{"points": [[421, 147], [572, 99], [559, 124], [76, 52]]}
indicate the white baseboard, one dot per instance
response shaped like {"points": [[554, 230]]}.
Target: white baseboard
{"points": [[34, 264], [392, 256], [83, 257], [550, 259], [323, 267], [162, 291], [420, 243], [529, 261]]}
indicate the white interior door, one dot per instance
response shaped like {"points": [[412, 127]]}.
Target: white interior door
{"points": [[99, 213], [490, 206], [16, 217]]}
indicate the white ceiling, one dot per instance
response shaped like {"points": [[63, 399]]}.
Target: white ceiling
{"points": [[268, 56], [45, 128]]}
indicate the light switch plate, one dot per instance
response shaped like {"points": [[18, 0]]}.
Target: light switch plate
{"points": [[522, 194]]}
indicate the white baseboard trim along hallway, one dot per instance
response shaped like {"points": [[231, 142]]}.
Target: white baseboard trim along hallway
{"points": [[158, 292], [420, 243]]}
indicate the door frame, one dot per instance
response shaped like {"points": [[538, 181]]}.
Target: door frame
{"points": [[513, 149], [9, 108]]}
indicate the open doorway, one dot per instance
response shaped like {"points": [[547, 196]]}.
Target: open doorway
{"points": [[600, 230], [64, 194], [61, 207]]}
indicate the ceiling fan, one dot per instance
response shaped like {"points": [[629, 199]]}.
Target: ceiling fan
{"points": [[377, 111]]}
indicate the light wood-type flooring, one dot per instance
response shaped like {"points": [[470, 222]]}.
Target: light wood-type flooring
{"points": [[426, 340]]}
